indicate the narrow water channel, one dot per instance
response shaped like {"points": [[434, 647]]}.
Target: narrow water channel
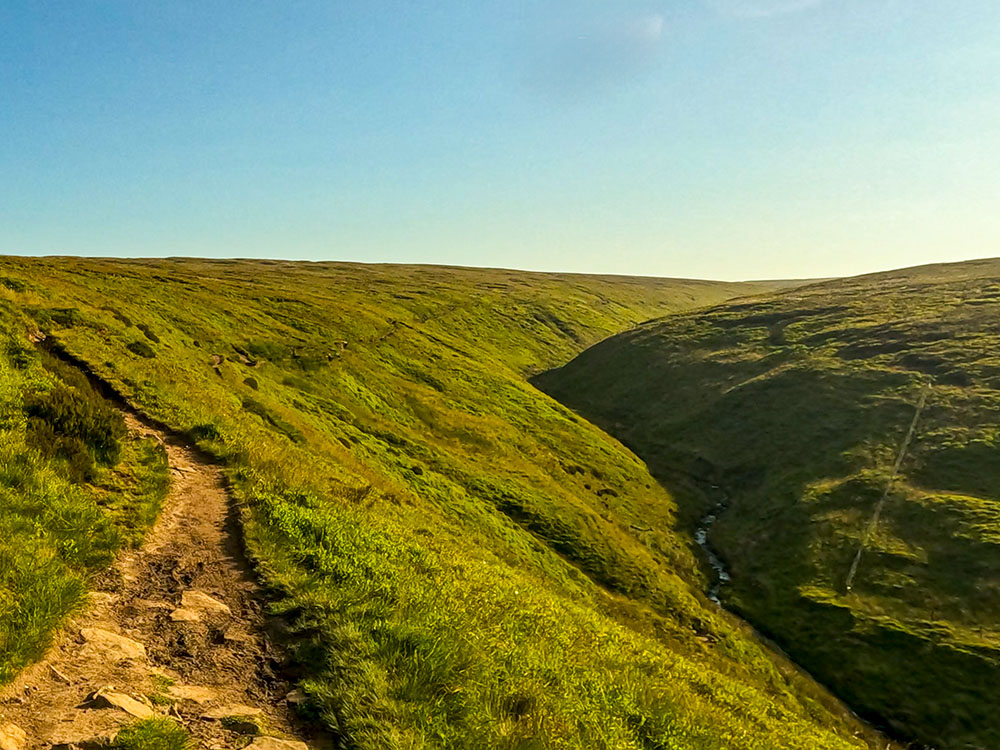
{"points": [[720, 573]]}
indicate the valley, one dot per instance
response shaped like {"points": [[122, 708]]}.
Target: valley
{"points": [[446, 557], [797, 405]]}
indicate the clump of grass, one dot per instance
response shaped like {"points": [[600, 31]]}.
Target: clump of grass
{"points": [[118, 315], [161, 685], [153, 734], [78, 427], [270, 350], [247, 725], [148, 332], [141, 349], [254, 406], [296, 381], [67, 317], [204, 431], [19, 354]]}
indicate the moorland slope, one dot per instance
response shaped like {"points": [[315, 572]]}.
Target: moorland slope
{"points": [[456, 560], [791, 409]]}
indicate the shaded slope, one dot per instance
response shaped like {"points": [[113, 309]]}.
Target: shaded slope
{"points": [[797, 404], [459, 561]]}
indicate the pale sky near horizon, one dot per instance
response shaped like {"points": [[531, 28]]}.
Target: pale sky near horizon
{"points": [[708, 138]]}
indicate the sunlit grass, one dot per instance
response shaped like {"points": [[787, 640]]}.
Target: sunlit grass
{"points": [[152, 734]]}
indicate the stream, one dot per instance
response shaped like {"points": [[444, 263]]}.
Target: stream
{"points": [[721, 575]]}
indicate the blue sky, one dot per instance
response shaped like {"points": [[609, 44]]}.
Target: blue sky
{"points": [[708, 138]]}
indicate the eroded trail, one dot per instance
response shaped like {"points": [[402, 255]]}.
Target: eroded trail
{"points": [[174, 628]]}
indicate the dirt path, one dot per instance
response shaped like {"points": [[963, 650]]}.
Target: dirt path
{"points": [[173, 629]]}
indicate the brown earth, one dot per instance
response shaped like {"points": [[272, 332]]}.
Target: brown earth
{"points": [[174, 628]]}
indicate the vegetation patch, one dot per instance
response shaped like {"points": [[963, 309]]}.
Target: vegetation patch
{"points": [[15, 285], [254, 406], [148, 333], [153, 734], [141, 349]]}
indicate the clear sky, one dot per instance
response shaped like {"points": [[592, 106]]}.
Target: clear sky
{"points": [[709, 138]]}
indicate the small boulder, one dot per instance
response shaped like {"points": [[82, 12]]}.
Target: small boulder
{"points": [[199, 601], [182, 614], [12, 737], [108, 698], [113, 645], [237, 635]]}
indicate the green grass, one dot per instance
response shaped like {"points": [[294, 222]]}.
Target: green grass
{"points": [[74, 489], [461, 561], [797, 403], [152, 734]]}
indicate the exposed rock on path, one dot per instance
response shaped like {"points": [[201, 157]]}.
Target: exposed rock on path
{"points": [[12, 737], [122, 701], [128, 654]]}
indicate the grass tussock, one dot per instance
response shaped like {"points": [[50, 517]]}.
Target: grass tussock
{"points": [[152, 734]]}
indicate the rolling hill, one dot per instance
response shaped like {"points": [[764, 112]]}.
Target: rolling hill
{"points": [[450, 558], [785, 414]]}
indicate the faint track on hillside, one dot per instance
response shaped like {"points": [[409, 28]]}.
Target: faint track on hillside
{"points": [[880, 505]]}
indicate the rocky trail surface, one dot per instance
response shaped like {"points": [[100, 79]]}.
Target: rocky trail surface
{"points": [[173, 629]]}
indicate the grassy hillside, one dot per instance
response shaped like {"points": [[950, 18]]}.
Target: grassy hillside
{"points": [[796, 405], [461, 562]]}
